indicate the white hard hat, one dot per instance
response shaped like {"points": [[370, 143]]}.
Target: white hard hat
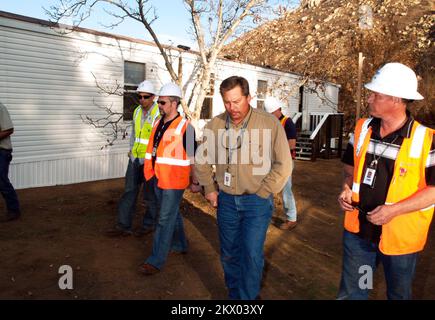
{"points": [[170, 90], [272, 104], [146, 86], [397, 80]]}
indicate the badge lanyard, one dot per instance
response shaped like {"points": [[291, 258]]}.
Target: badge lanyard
{"points": [[239, 141], [157, 141], [370, 174]]}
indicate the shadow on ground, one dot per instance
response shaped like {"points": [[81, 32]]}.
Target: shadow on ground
{"points": [[64, 225]]}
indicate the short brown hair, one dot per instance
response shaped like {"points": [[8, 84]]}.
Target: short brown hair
{"points": [[407, 101], [176, 99], [232, 82]]}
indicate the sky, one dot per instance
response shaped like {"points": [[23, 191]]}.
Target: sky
{"points": [[172, 25]]}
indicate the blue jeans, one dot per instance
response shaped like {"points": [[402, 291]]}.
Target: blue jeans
{"points": [[6, 188], [399, 270], [289, 201], [243, 221], [169, 234], [134, 177]]}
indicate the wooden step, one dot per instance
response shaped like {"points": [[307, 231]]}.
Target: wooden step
{"points": [[303, 158], [303, 143], [304, 153]]}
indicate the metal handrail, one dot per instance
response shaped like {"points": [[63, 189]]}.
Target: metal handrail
{"points": [[319, 126], [296, 116], [326, 129]]}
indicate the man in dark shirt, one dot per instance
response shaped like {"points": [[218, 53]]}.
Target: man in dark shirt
{"points": [[273, 106], [377, 195], [389, 188]]}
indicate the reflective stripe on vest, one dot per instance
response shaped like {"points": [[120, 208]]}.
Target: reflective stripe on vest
{"points": [[364, 131], [142, 141], [362, 134], [417, 143], [424, 209], [142, 133], [355, 187], [180, 126], [406, 233], [173, 162], [171, 167]]}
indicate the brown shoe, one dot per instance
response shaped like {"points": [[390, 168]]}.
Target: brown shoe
{"points": [[288, 225], [148, 269]]}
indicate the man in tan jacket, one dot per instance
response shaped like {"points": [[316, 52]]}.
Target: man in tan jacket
{"points": [[250, 151]]}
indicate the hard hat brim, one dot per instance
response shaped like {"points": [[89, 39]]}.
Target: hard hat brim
{"points": [[405, 95], [143, 91], [272, 109]]}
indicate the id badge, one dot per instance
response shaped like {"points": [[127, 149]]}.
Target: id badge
{"points": [[369, 177], [227, 179]]}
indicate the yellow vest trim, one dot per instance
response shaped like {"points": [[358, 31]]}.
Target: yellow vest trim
{"points": [[406, 233], [143, 133]]}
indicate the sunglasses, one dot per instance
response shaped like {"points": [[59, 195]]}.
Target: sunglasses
{"points": [[357, 207], [143, 97], [161, 102]]}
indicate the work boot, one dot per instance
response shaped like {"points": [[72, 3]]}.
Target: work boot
{"points": [[10, 217], [118, 232], [288, 225], [140, 232], [148, 269]]}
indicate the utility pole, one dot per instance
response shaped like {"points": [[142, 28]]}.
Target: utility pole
{"points": [[365, 23], [358, 101]]}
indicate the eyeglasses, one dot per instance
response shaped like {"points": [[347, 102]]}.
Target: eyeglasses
{"points": [[161, 102], [143, 97]]}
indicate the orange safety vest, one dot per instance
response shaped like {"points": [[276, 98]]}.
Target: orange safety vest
{"points": [[406, 233], [171, 167]]}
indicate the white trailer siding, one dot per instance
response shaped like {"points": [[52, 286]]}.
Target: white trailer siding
{"points": [[322, 98], [275, 80], [46, 84], [48, 81], [317, 99]]}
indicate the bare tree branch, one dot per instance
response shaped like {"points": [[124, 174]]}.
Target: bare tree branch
{"points": [[113, 121], [224, 18], [227, 17]]}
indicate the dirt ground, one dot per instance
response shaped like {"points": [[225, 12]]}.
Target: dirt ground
{"points": [[64, 225]]}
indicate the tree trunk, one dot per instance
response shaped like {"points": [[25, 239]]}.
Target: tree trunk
{"points": [[203, 89]]}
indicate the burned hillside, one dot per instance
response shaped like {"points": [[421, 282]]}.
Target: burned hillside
{"points": [[322, 39]]}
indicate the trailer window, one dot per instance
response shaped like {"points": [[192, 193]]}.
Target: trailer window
{"points": [[134, 73]]}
